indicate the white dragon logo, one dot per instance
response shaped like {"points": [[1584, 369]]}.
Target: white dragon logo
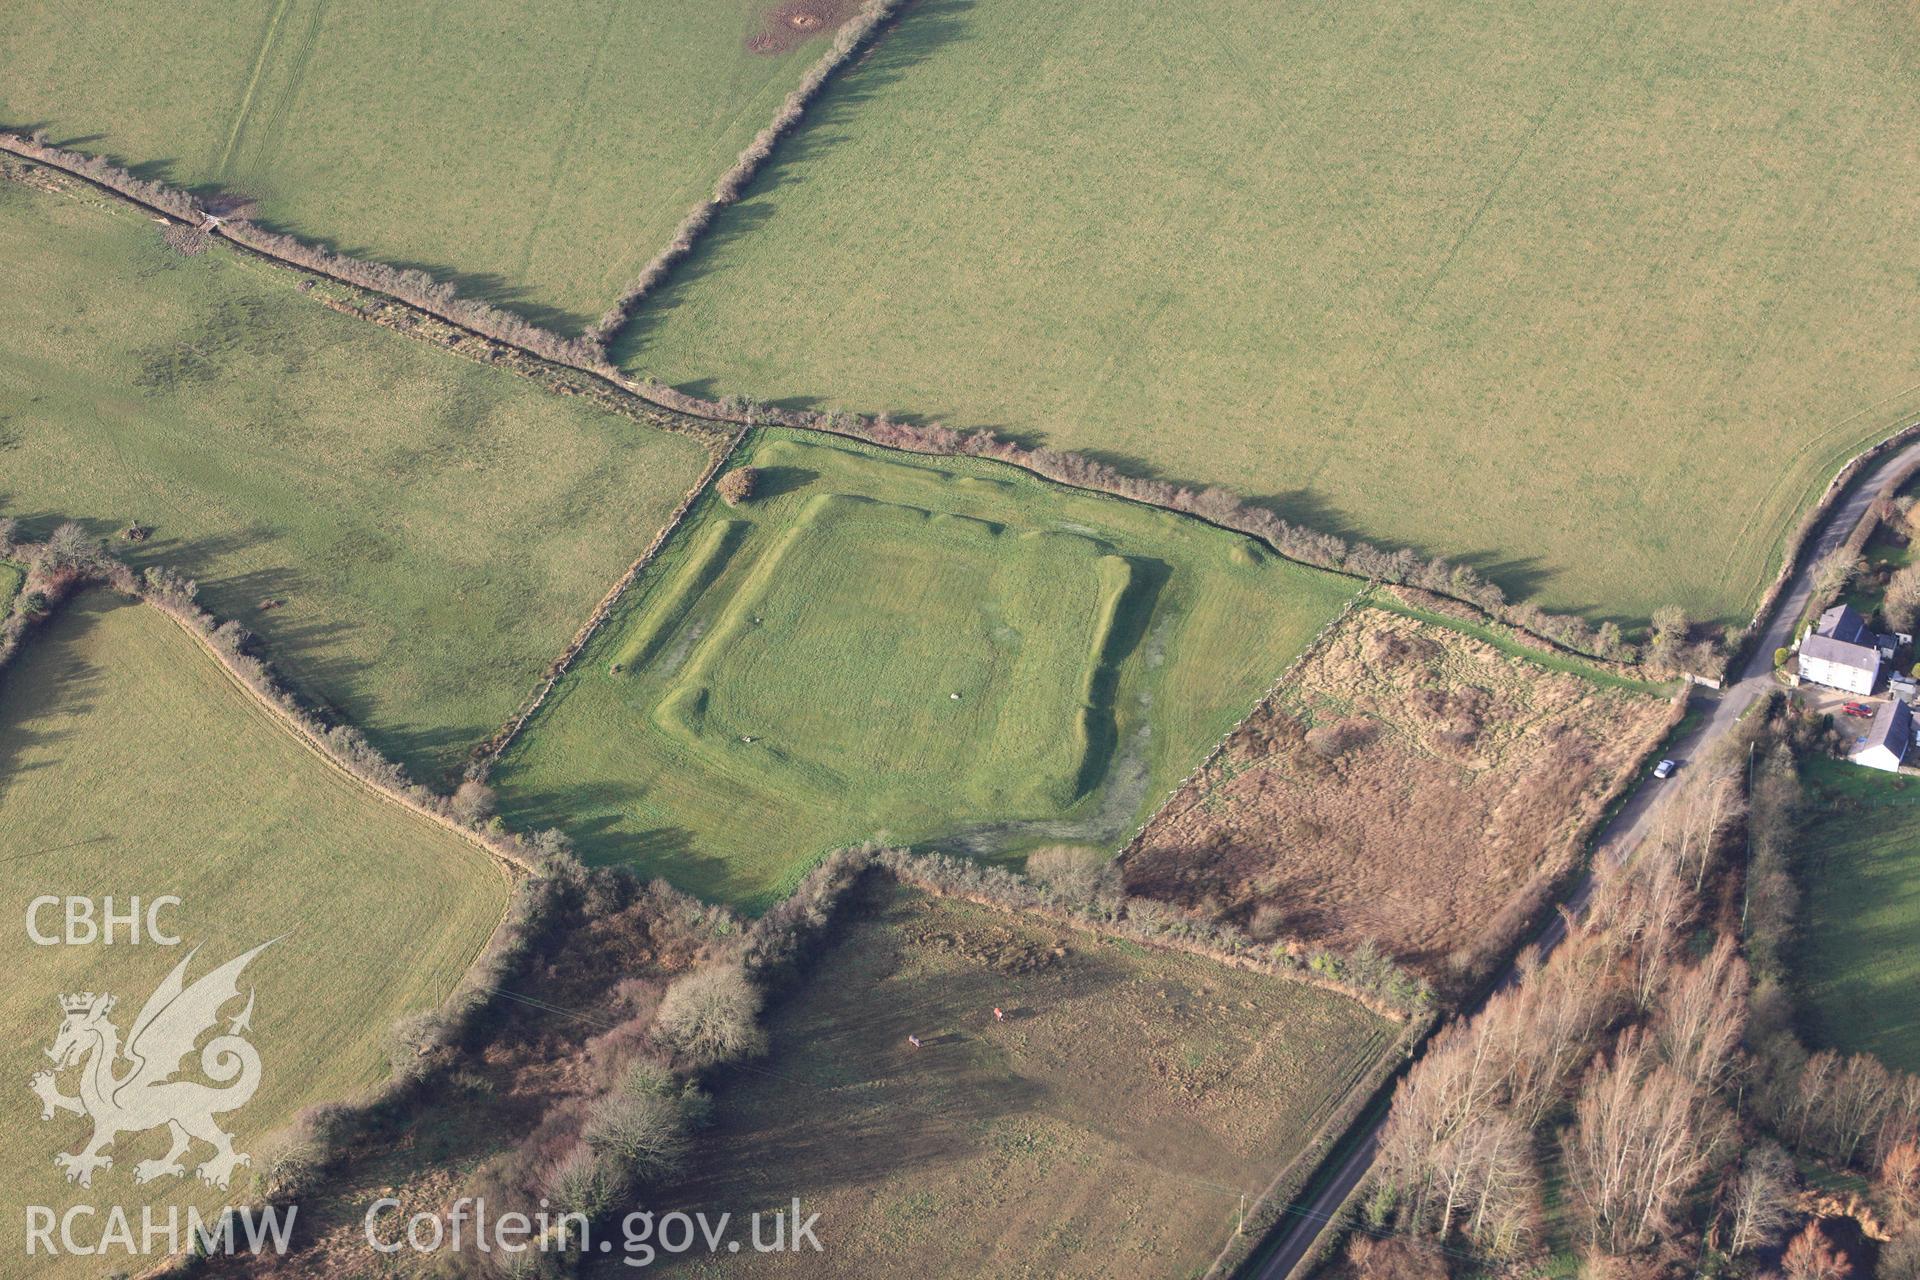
{"points": [[144, 1095]]}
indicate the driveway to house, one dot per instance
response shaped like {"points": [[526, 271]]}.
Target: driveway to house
{"points": [[1621, 836]]}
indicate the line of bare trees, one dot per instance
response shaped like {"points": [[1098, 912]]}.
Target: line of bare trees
{"points": [[1659, 1069], [1848, 1109], [624, 1052], [470, 806], [1622, 1040], [422, 290], [847, 41], [104, 172], [636, 1126], [418, 288]]}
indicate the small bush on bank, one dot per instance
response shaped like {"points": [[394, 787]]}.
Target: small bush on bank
{"points": [[1076, 873], [737, 485]]}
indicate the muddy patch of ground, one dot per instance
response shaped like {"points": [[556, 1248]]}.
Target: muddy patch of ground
{"points": [[796, 22]]}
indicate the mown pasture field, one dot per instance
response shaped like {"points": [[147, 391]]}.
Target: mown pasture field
{"points": [[539, 153], [1108, 1127], [131, 765], [1859, 864], [880, 645], [415, 536], [1409, 785], [1595, 298]]}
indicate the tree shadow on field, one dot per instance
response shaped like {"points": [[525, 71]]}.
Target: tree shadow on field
{"points": [[775, 482], [64, 684], [843, 1100], [1310, 511], [158, 169], [197, 557], [485, 286], [1520, 577], [591, 815], [921, 30], [83, 141], [37, 526]]}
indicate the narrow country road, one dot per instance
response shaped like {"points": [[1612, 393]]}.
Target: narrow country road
{"points": [[1616, 842]]}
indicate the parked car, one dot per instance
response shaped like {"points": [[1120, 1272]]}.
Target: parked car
{"points": [[1860, 709], [1665, 769]]}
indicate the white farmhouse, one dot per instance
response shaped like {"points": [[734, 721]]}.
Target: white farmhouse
{"points": [[1888, 739], [1841, 653]]}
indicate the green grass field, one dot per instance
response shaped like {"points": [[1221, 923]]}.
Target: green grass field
{"points": [[1108, 1127], [130, 765], [11, 578], [1595, 298], [1860, 870], [883, 646], [540, 153], [433, 530]]}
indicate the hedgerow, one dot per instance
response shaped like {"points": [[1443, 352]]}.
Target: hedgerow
{"points": [[733, 183], [1365, 973]]}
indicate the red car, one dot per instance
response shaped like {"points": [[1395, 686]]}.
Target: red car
{"points": [[1858, 709]]}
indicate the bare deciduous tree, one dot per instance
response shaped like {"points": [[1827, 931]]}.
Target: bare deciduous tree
{"points": [[1835, 570], [1075, 873], [1899, 1182], [1702, 1013], [472, 802], [736, 486], [1394, 1258], [1901, 604], [69, 546], [1811, 1257], [1759, 1202], [1900, 1259], [1641, 909], [1557, 1012], [711, 1015], [1862, 1089], [1642, 1138]]}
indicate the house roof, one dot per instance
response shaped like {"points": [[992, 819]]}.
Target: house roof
{"points": [[1843, 622], [1892, 728], [1859, 657]]}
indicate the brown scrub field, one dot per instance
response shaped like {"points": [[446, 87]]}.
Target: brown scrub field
{"points": [[1408, 784]]}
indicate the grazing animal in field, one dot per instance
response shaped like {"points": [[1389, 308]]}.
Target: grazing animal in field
{"points": [[914, 1041]]}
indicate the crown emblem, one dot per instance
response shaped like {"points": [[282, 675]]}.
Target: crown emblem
{"points": [[84, 1001]]}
